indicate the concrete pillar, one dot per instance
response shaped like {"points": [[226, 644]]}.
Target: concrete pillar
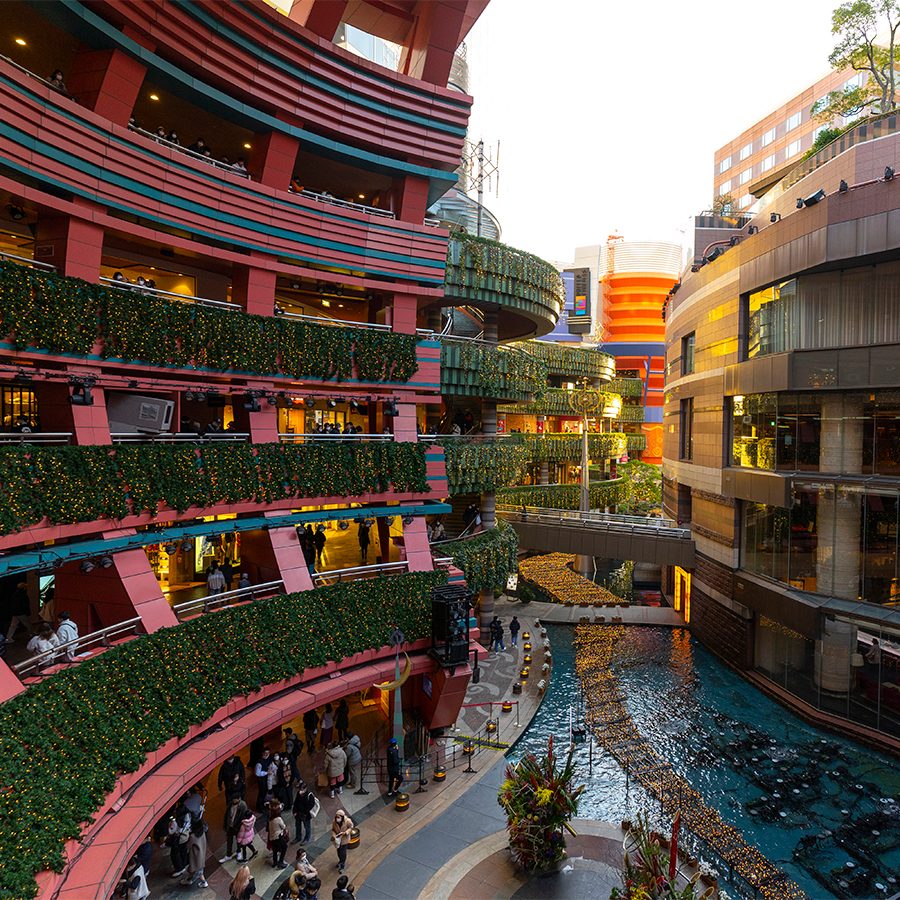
{"points": [[415, 542], [274, 158], [74, 245], [90, 424], [262, 426], [411, 198], [270, 554], [254, 289], [839, 516], [403, 312], [106, 81], [544, 477]]}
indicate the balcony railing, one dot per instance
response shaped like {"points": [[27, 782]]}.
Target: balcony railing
{"points": [[332, 438], [36, 437], [34, 263], [356, 572], [209, 160], [199, 605], [130, 287], [181, 437], [347, 204], [83, 646]]}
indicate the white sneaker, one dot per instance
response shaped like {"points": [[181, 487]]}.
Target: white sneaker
{"points": [[225, 859]]}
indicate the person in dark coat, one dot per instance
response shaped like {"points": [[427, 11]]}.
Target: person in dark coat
{"points": [[308, 545], [310, 728], [395, 779], [304, 801], [232, 774], [342, 890], [227, 573], [362, 535], [342, 720], [514, 627], [319, 540], [235, 813]]}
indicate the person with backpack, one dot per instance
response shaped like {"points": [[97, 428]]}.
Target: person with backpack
{"points": [[305, 809], [354, 763]]}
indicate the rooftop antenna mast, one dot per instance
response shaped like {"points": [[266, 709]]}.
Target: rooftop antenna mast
{"points": [[482, 167]]}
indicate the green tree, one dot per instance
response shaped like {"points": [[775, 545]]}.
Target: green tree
{"points": [[724, 205], [866, 32]]}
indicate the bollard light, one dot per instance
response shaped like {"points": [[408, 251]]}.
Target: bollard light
{"points": [[402, 802]]}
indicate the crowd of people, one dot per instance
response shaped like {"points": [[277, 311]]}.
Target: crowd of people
{"points": [[199, 148], [497, 631]]}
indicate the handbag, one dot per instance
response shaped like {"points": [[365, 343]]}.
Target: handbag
{"points": [[322, 779]]}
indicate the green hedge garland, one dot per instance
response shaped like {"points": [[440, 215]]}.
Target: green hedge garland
{"points": [[564, 496], [553, 402], [567, 447], [66, 315], [476, 466], [481, 370], [487, 559], [65, 739], [82, 484], [573, 361]]}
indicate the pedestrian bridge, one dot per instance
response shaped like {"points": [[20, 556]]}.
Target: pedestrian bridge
{"points": [[606, 535]]}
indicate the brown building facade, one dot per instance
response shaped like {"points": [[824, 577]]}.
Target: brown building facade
{"points": [[782, 442]]}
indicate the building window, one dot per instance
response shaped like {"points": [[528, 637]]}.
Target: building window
{"points": [[770, 316], [724, 187], [746, 150], [793, 148], [768, 163], [725, 165], [745, 176], [793, 122], [687, 353], [747, 201], [768, 137], [686, 415], [18, 410]]}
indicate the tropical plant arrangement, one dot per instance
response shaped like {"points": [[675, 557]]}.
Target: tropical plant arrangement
{"points": [[85, 483], [647, 873], [44, 311], [539, 798], [483, 465], [488, 559], [64, 741]]}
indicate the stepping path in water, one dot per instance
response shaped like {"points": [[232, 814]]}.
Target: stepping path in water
{"points": [[596, 649]]}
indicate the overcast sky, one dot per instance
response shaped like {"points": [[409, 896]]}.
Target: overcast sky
{"points": [[608, 113]]}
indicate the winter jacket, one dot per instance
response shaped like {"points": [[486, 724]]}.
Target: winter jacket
{"points": [[229, 769], [352, 750], [335, 762], [246, 831], [234, 815]]}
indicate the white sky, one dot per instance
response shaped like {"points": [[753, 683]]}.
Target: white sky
{"points": [[608, 112]]}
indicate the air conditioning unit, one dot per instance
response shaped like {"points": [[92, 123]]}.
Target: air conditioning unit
{"points": [[138, 414]]}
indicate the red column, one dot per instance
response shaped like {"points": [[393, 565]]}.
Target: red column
{"points": [[73, 245], [273, 159], [254, 289], [432, 40], [103, 597], [267, 555], [322, 17], [404, 311], [90, 424], [262, 426], [411, 198], [405, 422], [415, 540], [106, 81], [9, 683]]}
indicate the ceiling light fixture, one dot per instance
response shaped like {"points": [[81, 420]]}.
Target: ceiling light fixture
{"points": [[154, 96], [248, 146], [22, 42]]}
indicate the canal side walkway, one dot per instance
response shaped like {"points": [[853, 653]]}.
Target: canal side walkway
{"points": [[559, 614]]}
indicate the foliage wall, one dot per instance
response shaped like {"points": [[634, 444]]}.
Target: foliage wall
{"points": [[476, 466], [564, 496], [45, 311], [487, 559], [481, 370], [85, 483], [64, 740]]}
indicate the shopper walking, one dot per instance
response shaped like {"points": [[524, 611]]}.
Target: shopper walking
{"points": [[395, 779], [343, 889], [310, 729], [235, 813], [262, 778], [245, 838], [340, 836], [196, 856], [179, 831], [305, 807], [514, 627], [278, 835], [243, 887], [362, 535]]}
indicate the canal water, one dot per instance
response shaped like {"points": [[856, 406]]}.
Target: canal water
{"points": [[824, 809]]}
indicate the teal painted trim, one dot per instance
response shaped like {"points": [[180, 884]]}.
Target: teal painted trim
{"points": [[257, 50], [24, 561], [244, 187], [256, 119], [433, 344], [266, 251], [317, 51], [101, 174]]}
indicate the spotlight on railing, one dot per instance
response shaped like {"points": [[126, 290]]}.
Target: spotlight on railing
{"points": [[86, 566], [106, 562]]}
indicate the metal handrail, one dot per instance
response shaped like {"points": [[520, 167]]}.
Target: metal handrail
{"points": [[167, 295], [30, 74], [34, 263], [127, 437], [363, 571], [209, 160], [102, 637], [200, 605], [305, 438], [326, 320], [606, 521], [347, 204], [35, 437]]}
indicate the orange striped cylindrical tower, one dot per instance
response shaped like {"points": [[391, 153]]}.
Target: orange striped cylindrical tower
{"points": [[635, 280]]}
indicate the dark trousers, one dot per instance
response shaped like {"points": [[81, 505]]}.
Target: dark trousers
{"points": [[231, 840], [303, 827], [279, 848], [262, 785], [179, 856], [342, 856], [395, 779]]}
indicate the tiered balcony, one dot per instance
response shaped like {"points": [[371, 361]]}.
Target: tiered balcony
{"points": [[471, 368]]}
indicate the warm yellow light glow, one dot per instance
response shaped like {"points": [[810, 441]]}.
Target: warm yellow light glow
{"points": [[154, 96], [326, 303], [22, 42], [248, 146], [362, 196]]}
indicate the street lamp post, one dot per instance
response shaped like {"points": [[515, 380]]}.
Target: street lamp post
{"points": [[585, 400]]}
